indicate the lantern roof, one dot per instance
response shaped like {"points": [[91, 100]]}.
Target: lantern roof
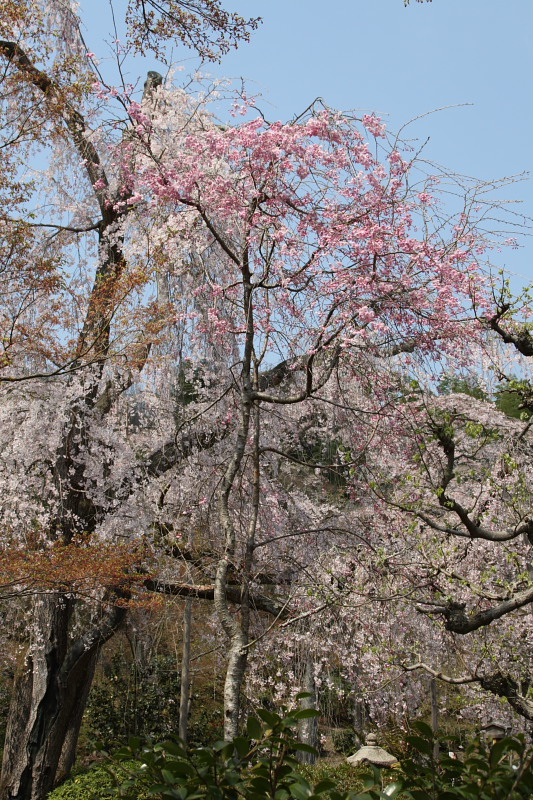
{"points": [[373, 754]]}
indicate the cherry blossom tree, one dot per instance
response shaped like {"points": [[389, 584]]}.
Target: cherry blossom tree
{"points": [[73, 326], [203, 25], [318, 261], [463, 476], [373, 597], [199, 318]]}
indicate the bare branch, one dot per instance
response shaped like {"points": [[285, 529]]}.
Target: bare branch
{"points": [[66, 111], [440, 675], [260, 602], [498, 683]]}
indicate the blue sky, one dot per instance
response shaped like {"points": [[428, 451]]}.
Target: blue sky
{"points": [[400, 62]]}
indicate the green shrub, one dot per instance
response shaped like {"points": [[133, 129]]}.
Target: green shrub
{"points": [[95, 784], [461, 383], [344, 776], [257, 766], [515, 398], [503, 770], [206, 725], [129, 702], [261, 765], [345, 741]]}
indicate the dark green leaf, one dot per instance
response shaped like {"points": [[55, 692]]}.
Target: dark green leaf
{"points": [[420, 745], [284, 771], [167, 776], [306, 713], [423, 729], [179, 768], [305, 748], [134, 743], [300, 791], [418, 794], [261, 784], [324, 786], [253, 728], [392, 789], [219, 746], [174, 748], [269, 717]]}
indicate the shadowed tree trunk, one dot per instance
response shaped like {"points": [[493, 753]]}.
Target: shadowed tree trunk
{"points": [[82, 689], [49, 695], [185, 686], [434, 716]]}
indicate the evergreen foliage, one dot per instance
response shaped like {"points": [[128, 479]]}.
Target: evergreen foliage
{"points": [[130, 701], [514, 398], [262, 765]]}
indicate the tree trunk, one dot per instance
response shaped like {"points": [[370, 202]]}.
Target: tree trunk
{"points": [[185, 684], [360, 715], [49, 696], [309, 727], [237, 658], [434, 716], [83, 687]]}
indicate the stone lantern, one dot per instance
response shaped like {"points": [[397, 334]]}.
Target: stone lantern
{"points": [[494, 731], [371, 753]]}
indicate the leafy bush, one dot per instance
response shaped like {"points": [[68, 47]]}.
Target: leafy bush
{"points": [[451, 384], [345, 741], [257, 766], [96, 783], [515, 398], [503, 770], [131, 702], [262, 766], [344, 776], [206, 724]]}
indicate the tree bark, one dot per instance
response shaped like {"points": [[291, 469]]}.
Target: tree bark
{"points": [[185, 684], [49, 697], [309, 727], [82, 688], [434, 716], [235, 671], [237, 631]]}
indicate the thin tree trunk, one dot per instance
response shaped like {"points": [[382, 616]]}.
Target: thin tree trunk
{"points": [[237, 659], [185, 687], [235, 629], [434, 716], [359, 718], [238, 629], [309, 727]]}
